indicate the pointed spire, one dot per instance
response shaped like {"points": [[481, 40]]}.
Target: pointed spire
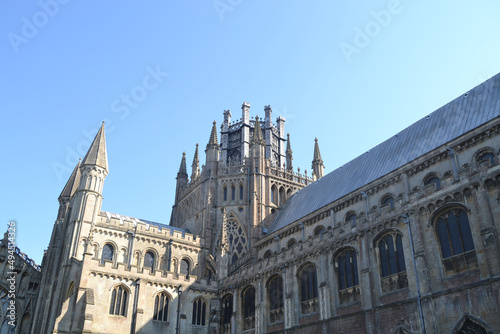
{"points": [[213, 143], [183, 169], [72, 184], [317, 163], [289, 156], [195, 167], [257, 133], [96, 154], [317, 154]]}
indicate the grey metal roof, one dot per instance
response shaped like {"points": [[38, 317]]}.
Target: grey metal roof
{"points": [[465, 113]]}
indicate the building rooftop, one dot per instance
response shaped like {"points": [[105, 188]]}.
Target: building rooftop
{"points": [[465, 113]]}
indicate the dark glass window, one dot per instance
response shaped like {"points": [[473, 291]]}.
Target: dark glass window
{"points": [[351, 218], [149, 260], [185, 268], [225, 194], [119, 298], [274, 195], [470, 327], [227, 309], [432, 179], [276, 302], [291, 243], [241, 192], [388, 201], [233, 193], [347, 269], [308, 289], [392, 259], [248, 308], [161, 307], [455, 238], [487, 157], [199, 312], [108, 252]]}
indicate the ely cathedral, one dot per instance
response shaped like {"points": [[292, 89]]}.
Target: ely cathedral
{"points": [[402, 239]]}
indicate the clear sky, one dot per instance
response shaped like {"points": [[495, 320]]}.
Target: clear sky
{"points": [[160, 72]]}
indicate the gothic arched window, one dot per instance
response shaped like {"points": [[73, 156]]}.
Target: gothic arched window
{"points": [[225, 193], [233, 193], [274, 194], [149, 260], [432, 179], [282, 196], [487, 156], [241, 192], [237, 239], [185, 268], [351, 218], [291, 243], [347, 273], [119, 299], [392, 262], [471, 327], [248, 298], [308, 283], [319, 230], [276, 302], [455, 238], [108, 252], [162, 300], [227, 312], [199, 312], [387, 201]]}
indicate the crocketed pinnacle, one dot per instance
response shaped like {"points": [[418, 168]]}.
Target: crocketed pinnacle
{"points": [[183, 169], [213, 143], [72, 184], [257, 133], [317, 155], [288, 144], [96, 155], [196, 164]]}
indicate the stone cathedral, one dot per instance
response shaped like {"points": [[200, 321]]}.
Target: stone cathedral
{"points": [[402, 239]]}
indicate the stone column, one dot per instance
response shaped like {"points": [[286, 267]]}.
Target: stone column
{"points": [[324, 287], [487, 233]]}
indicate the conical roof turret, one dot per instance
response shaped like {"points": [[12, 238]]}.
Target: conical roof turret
{"points": [[213, 143], [72, 184], [96, 154]]}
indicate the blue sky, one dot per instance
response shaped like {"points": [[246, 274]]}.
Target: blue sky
{"points": [[159, 73]]}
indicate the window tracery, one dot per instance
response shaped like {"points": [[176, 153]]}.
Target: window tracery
{"points": [[199, 312], [308, 289], [162, 301], [237, 239], [248, 308], [455, 239], [392, 262], [276, 302], [347, 273], [119, 299]]}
